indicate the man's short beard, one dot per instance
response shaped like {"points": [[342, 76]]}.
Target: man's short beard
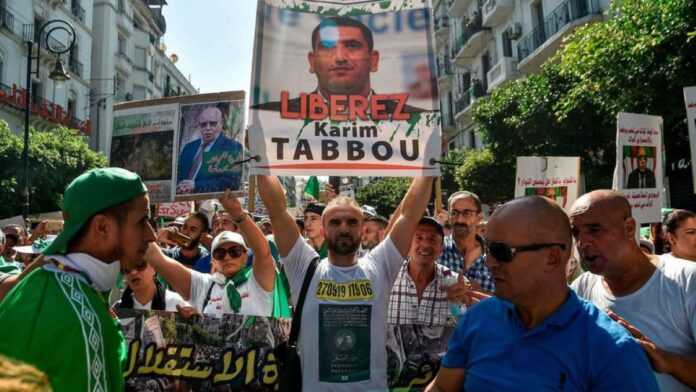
{"points": [[461, 230], [194, 243], [342, 247]]}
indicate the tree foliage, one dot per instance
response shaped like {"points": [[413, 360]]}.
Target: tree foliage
{"points": [[384, 194], [56, 157], [637, 60]]}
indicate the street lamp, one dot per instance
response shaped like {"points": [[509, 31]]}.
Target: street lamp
{"points": [[58, 75]]}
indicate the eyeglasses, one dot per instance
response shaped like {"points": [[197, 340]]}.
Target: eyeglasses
{"points": [[234, 252], [139, 268], [465, 213], [505, 253]]}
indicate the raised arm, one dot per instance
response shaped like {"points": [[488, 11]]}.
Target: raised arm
{"points": [[178, 276], [285, 230], [412, 208], [264, 265]]}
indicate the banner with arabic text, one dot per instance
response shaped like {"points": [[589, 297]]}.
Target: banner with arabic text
{"points": [[236, 353], [690, 102], [554, 177]]}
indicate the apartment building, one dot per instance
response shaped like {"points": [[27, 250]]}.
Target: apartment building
{"points": [[483, 43]]}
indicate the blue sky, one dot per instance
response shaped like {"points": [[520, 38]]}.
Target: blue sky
{"points": [[214, 40]]}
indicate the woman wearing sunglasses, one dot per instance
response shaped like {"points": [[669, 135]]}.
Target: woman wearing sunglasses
{"points": [[145, 292], [232, 287]]}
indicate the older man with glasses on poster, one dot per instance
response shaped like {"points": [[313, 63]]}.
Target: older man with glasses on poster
{"points": [[535, 333]]}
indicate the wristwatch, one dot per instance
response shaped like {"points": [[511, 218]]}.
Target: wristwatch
{"points": [[241, 217]]}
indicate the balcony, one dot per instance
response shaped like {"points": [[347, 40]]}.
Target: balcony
{"points": [[504, 70], [457, 8], [473, 39], [444, 72], [495, 12], [442, 25], [539, 44], [75, 66], [463, 105], [124, 62], [7, 20], [78, 12]]}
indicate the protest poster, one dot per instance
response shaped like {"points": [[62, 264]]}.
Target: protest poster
{"points": [[236, 353], [340, 88], [554, 177], [210, 147], [143, 142], [638, 172], [690, 102], [184, 148], [176, 209]]}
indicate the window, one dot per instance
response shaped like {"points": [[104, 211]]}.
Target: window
{"points": [[121, 6], [507, 44], [72, 104], [139, 92], [2, 70], [121, 45], [140, 58]]}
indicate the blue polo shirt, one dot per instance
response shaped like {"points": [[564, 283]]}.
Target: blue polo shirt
{"points": [[577, 348]]}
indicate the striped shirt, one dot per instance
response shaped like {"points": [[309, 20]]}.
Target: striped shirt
{"points": [[431, 310]]}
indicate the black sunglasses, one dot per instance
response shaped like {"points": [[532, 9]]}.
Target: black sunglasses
{"points": [[234, 252], [505, 253]]}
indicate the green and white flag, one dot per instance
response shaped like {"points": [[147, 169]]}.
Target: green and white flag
{"points": [[312, 187]]}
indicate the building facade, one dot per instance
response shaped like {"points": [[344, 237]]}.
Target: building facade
{"points": [[482, 44], [52, 103], [132, 63]]}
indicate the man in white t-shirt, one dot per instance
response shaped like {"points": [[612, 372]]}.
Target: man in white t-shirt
{"points": [[654, 295], [233, 287], [145, 292], [343, 330]]}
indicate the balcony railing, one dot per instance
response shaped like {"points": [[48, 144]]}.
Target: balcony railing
{"points": [[470, 29], [78, 12], [7, 20], [566, 12], [75, 67], [443, 67], [464, 101], [441, 22]]}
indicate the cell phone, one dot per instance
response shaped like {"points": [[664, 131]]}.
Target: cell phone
{"points": [[53, 225], [182, 240]]}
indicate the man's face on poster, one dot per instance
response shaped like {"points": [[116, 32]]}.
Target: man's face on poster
{"points": [[642, 162], [342, 60], [210, 124]]}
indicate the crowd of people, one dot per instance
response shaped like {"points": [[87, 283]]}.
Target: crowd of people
{"points": [[539, 298]]}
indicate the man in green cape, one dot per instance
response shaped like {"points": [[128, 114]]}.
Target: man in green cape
{"points": [[58, 314]]}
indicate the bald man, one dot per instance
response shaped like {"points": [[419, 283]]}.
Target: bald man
{"points": [[655, 294], [535, 334], [208, 163]]}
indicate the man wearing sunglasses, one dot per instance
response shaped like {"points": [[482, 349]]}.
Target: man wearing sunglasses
{"points": [[232, 287], [145, 292], [535, 333], [463, 250], [653, 296]]}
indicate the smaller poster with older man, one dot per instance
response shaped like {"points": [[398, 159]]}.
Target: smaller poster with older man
{"points": [[210, 148], [638, 172], [557, 178]]}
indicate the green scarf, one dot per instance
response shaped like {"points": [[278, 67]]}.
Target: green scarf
{"points": [[281, 304]]}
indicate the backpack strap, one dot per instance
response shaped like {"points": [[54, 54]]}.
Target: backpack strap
{"points": [[297, 317]]}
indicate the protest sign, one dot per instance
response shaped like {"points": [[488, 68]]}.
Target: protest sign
{"points": [[143, 142], [176, 209], [638, 172], [236, 353], [554, 177], [184, 148], [690, 102], [334, 94]]}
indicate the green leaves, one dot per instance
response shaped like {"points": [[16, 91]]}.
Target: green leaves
{"points": [[384, 194], [56, 157]]}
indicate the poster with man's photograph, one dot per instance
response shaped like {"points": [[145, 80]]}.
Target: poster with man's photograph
{"points": [[557, 178], [143, 142], [344, 87], [210, 149], [559, 194], [639, 166]]}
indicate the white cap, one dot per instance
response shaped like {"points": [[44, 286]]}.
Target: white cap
{"points": [[226, 237]]}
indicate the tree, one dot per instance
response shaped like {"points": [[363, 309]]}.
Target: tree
{"points": [[637, 60], [490, 178], [384, 194], [56, 157]]}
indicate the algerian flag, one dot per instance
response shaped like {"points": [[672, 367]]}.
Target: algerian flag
{"points": [[312, 187]]}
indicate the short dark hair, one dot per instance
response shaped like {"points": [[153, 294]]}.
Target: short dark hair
{"points": [[203, 218], [675, 219], [464, 195], [338, 21], [379, 220]]}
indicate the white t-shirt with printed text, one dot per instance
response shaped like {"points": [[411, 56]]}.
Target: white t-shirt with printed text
{"points": [[255, 300], [664, 309], [344, 320], [171, 299]]}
